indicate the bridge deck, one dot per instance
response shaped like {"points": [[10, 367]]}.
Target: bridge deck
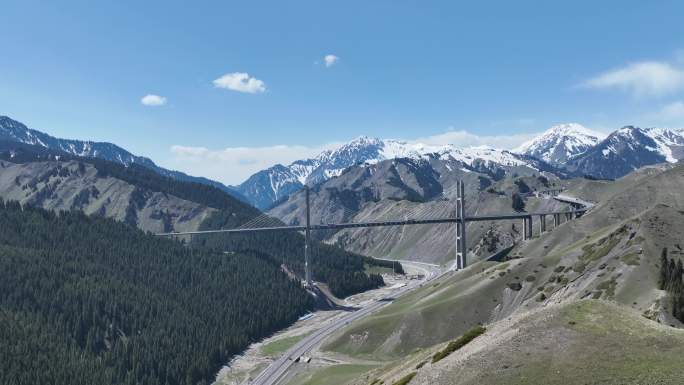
{"points": [[408, 222]]}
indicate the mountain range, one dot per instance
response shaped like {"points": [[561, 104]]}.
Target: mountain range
{"points": [[268, 187], [14, 131], [565, 150]]}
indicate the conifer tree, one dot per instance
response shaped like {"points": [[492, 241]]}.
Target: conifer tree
{"points": [[518, 203], [662, 281], [671, 275]]}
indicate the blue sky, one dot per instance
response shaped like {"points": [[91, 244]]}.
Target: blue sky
{"points": [[501, 71]]}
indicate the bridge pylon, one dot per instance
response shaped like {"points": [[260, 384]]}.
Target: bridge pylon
{"points": [[307, 241], [461, 248]]}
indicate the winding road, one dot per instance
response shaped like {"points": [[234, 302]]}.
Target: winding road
{"points": [[277, 369]]}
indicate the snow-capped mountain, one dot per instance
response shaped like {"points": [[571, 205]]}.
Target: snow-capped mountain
{"points": [[276, 183], [627, 149], [14, 131], [560, 143]]}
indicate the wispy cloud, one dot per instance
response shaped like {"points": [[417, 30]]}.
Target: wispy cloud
{"points": [[674, 110], [330, 60], [153, 100], [463, 138], [232, 165], [671, 114], [648, 78], [241, 82], [679, 55]]}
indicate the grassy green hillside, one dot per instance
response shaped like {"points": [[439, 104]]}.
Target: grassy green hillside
{"points": [[618, 263], [582, 342]]}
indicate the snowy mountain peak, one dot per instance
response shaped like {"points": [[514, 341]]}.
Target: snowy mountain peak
{"points": [[358, 146], [571, 129], [665, 142], [561, 142], [364, 140]]}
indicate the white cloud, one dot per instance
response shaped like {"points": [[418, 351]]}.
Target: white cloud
{"points": [[649, 78], [330, 60], [153, 100], [241, 82]]}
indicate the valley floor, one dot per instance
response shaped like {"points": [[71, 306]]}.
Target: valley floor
{"points": [[245, 367]]}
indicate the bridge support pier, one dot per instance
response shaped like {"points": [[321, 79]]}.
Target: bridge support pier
{"points": [[556, 220], [542, 224], [461, 247], [527, 228]]}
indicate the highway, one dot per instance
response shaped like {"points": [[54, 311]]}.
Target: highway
{"points": [[277, 369]]}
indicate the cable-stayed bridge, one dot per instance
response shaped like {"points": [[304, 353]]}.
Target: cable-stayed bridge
{"points": [[420, 215]]}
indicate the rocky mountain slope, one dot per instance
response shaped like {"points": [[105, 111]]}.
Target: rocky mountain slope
{"points": [[560, 143], [411, 189], [628, 149], [71, 185], [14, 131], [56, 180]]}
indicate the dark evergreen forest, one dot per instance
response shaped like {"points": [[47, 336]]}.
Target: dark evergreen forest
{"points": [[344, 272], [671, 273], [87, 300]]}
